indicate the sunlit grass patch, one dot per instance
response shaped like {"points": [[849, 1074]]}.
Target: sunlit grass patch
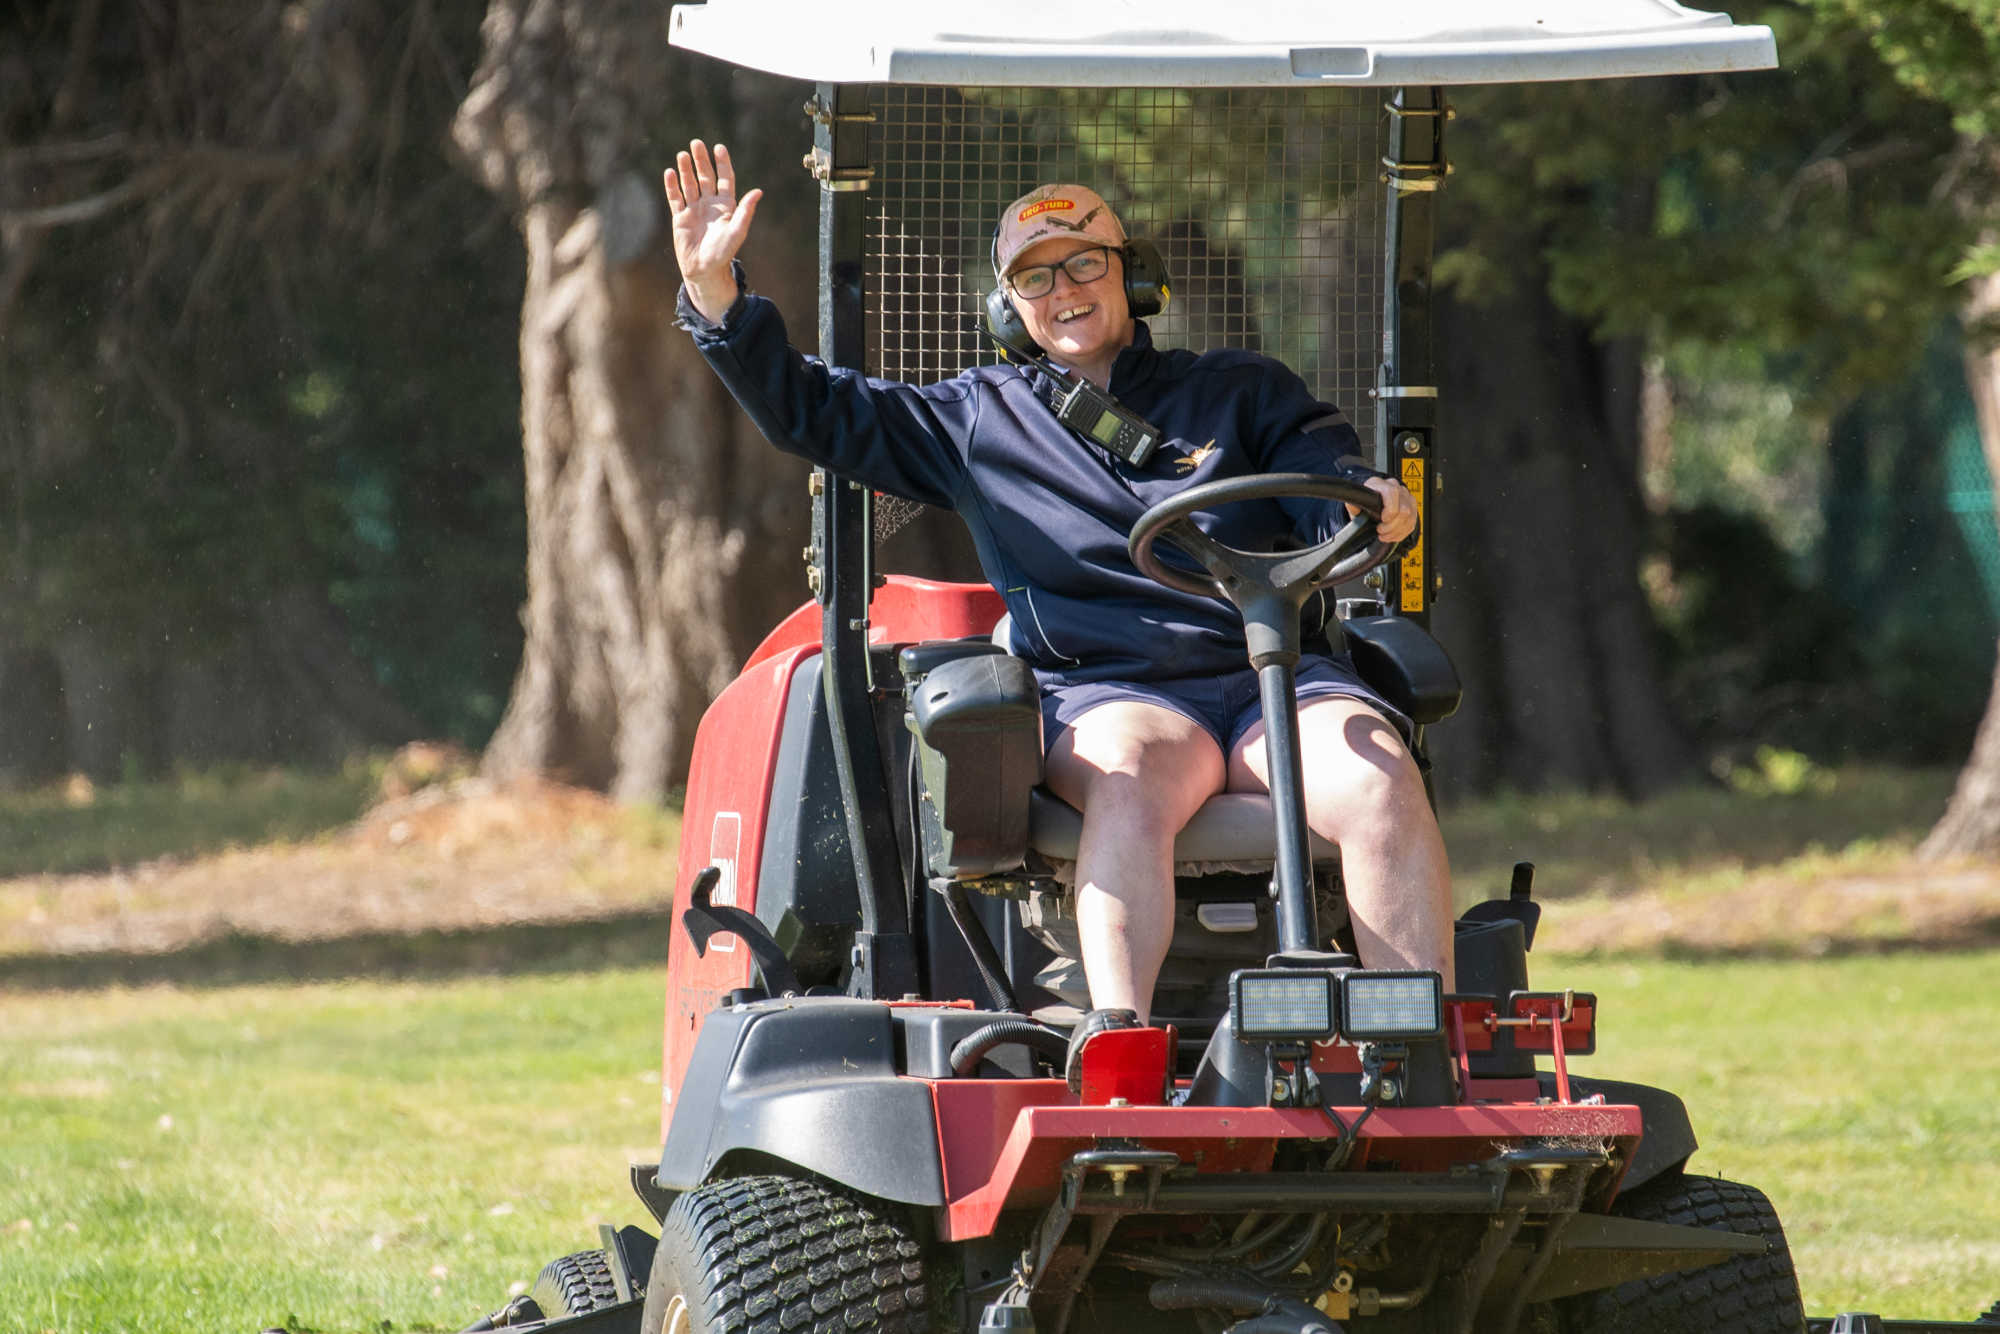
{"points": [[319, 1158], [331, 1157], [1858, 1093], [463, 858], [80, 826], [1692, 837]]}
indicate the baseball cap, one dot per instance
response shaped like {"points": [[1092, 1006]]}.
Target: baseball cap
{"points": [[1053, 210]]}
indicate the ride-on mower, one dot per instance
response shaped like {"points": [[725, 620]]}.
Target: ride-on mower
{"points": [[872, 975]]}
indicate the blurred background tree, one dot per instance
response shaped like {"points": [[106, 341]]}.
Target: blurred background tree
{"points": [[258, 458], [1947, 52], [288, 293], [1760, 390]]}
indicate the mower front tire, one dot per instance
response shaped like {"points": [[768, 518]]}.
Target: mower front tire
{"points": [[1751, 1294], [764, 1254], [575, 1285]]}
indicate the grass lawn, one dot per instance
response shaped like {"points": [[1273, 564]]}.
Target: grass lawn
{"points": [[1861, 1094], [338, 1157], [86, 827], [373, 1156], [1696, 837]]}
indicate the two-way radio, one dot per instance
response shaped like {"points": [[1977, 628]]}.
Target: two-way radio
{"points": [[1086, 409], [1078, 404]]}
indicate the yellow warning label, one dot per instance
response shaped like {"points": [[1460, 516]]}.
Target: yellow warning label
{"points": [[1411, 595]]}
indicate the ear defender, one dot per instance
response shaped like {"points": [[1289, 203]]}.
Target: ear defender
{"points": [[1003, 325], [1146, 293], [1145, 279]]}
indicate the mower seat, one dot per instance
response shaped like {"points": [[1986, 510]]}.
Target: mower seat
{"points": [[977, 723], [1224, 917], [1232, 831], [983, 817]]}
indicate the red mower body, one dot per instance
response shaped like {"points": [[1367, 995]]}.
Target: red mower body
{"points": [[911, 1102]]}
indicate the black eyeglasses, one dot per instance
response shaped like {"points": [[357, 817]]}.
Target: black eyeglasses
{"points": [[1038, 280]]}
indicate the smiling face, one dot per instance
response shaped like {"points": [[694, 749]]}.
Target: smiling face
{"points": [[1082, 326]]}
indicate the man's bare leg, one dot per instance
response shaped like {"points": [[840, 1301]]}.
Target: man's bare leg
{"points": [[1364, 793], [1138, 772]]}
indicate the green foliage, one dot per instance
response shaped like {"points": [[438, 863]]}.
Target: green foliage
{"points": [[1945, 51], [293, 368], [1789, 243], [1780, 773], [1742, 443], [1789, 212]]}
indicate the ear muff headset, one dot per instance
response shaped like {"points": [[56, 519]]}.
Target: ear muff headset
{"points": [[1146, 293]]}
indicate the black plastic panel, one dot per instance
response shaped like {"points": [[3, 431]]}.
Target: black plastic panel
{"points": [[812, 1082], [929, 1035], [1668, 1140], [1399, 658], [979, 721], [1493, 961], [805, 876]]}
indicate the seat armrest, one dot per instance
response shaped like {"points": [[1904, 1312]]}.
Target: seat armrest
{"points": [[978, 725], [921, 659], [1408, 668]]}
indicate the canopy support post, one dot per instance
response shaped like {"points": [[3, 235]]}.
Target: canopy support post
{"points": [[1406, 394], [883, 962]]}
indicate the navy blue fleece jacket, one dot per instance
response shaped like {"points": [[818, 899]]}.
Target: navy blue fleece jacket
{"points": [[1050, 511]]}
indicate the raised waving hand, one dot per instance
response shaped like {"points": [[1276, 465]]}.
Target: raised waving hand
{"points": [[710, 224]]}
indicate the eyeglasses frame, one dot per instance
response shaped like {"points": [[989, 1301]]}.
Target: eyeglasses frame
{"points": [[1013, 279]]}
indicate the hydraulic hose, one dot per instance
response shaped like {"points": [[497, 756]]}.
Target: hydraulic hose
{"points": [[1269, 1312], [1263, 1234], [1275, 1270], [972, 1048], [1182, 1294]]}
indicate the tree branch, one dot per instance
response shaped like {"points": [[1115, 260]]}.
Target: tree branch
{"points": [[88, 209], [1835, 170], [66, 154]]}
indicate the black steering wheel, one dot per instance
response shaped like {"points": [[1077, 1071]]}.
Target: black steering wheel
{"points": [[1269, 588]]}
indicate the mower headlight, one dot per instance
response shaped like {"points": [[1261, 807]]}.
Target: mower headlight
{"points": [[1282, 1004], [1379, 1007]]}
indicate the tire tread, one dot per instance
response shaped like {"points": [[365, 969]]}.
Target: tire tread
{"points": [[575, 1285], [782, 1255], [1752, 1294]]}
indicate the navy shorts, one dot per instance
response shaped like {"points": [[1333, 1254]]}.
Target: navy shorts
{"points": [[1225, 706]]}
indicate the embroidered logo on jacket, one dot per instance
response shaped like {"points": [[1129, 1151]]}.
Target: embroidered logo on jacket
{"points": [[1190, 461]]}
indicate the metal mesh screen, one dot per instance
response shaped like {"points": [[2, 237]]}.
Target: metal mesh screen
{"points": [[1265, 203]]}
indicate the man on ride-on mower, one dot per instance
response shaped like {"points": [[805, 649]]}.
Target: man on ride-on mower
{"points": [[1149, 708]]}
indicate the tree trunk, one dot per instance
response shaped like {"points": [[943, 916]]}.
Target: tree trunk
{"points": [[34, 716], [1542, 528], [663, 533], [1971, 823], [632, 541]]}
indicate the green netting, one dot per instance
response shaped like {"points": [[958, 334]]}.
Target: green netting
{"points": [[1969, 497]]}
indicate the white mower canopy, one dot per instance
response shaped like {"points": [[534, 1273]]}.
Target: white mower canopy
{"points": [[1228, 44]]}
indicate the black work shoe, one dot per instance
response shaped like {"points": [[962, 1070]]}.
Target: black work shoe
{"points": [[1088, 1027]]}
